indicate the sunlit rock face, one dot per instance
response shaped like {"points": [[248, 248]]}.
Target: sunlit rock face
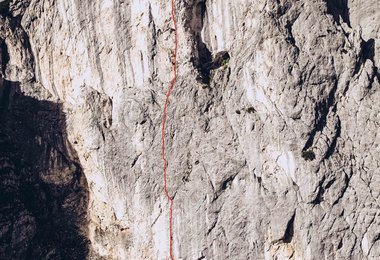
{"points": [[272, 134]]}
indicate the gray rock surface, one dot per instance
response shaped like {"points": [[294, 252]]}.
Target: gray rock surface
{"points": [[272, 153]]}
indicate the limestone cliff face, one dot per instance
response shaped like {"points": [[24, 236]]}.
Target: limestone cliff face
{"points": [[273, 153]]}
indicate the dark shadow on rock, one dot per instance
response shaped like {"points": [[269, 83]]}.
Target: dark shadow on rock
{"points": [[43, 191], [197, 12], [368, 50], [339, 8], [203, 60]]}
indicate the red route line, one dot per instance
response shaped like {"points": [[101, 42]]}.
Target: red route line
{"points": [[170, 199]]}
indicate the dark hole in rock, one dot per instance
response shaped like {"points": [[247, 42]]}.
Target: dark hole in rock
{"points": [[251, 110], [186, 178], [259, 180], [340, 245], [4, 56]]}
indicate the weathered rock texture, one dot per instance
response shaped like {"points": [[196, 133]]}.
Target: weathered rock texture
{"points": [[272, 148]]}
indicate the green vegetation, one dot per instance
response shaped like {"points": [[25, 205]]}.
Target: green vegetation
{"points": [[225, 62], [308, 155]]}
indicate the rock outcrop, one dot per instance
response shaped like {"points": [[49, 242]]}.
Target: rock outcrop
{"points": [[44, 194], [273, 150]]}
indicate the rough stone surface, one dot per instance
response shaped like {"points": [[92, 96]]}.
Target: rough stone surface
{"points": [[273, 150]]}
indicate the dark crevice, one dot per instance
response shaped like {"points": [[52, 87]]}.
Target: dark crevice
{"points": [[373, 242], [339, 8], [14, 10], [376, 238], [4, 57], [212, 226], [322, 187], [376, 75], [208, 63], [290, 38], [331, 149], [340, 245], [328, 185], [206, 107], [281, 8], [289, 232], [186, 177], [358, 66], [227, 182], [321, 190], [221, 59], [203, 60], [346, 184], [259, 180], [367, 52], [322, 110], [319, 198], [135, 160], [204, 54], [223, 186]]}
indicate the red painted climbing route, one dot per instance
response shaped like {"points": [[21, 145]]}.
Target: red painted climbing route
{"points": [[170, 199]]}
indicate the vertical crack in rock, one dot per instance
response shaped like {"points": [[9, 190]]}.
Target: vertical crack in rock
{"points": [[337, 132], [322, 111], [204, 57], [4, 57], [289, 232]]}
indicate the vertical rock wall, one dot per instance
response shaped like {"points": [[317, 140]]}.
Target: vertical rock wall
{"points": [[273, 152]]}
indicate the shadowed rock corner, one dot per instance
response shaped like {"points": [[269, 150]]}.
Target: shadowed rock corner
{"points": [[44, 194]]}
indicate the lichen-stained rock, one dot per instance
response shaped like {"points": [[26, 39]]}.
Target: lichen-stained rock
{"points": [[273, 152]]}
